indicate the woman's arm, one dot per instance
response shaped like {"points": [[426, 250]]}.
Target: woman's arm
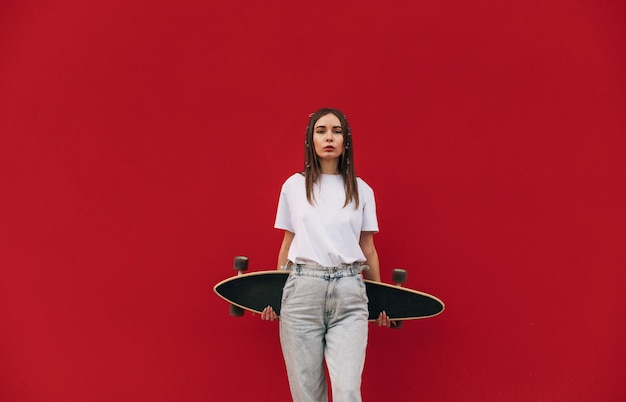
{"points": [[268, 312], [371, 256], [284, 249]]}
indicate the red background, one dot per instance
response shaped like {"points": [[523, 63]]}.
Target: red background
{"points": [[143, 145]]}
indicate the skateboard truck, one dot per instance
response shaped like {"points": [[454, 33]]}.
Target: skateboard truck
{"points": [[398, 276], [240, 264]]}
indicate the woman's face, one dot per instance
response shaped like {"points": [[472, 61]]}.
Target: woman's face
{"points": [[328, 137]]}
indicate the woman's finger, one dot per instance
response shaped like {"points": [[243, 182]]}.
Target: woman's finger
{"points": [[268, 314]]}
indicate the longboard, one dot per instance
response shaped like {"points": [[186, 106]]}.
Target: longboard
{"points": [[256, 290]]}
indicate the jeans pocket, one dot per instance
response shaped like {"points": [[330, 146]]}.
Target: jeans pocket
{"points": [[361, 283], [289, 287]]}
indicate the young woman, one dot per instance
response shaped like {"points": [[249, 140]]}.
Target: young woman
{"points": [[329, 218]]}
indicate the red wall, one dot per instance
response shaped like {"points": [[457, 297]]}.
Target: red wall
{"points": [[143, 145]]}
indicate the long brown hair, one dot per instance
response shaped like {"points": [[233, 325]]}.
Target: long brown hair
{"points": [[312, 170]]}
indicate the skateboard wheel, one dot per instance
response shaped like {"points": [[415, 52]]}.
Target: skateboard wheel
{"points": [[399, 276], [236, 311], [240, 263]]}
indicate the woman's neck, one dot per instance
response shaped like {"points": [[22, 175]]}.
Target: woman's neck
{"points": [[329, 167]]}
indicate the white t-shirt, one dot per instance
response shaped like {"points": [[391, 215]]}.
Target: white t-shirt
{"points": [[326, 233]]}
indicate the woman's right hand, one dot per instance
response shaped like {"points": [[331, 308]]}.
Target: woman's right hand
{"points": [[269, 314]]}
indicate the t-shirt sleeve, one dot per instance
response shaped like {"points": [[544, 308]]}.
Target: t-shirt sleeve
{"points": [[283, 213], [370, 220]]}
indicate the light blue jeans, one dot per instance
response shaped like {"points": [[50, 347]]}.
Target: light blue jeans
{"points": [[324, 317]]}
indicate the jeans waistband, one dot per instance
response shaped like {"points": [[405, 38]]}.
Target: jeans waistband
{"points": [[321, 271]]}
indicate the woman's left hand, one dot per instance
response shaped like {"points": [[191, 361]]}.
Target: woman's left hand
{"points": [[384, 321], [268, 314]]}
